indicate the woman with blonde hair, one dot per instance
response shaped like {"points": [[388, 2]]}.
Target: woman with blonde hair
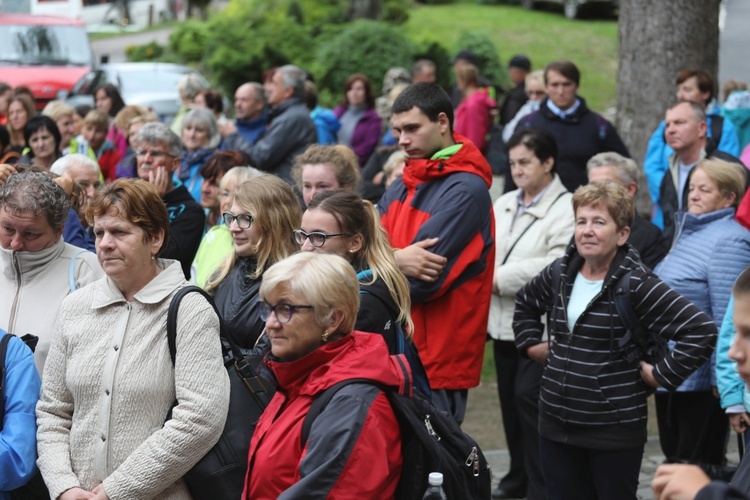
{"points": [[323, 168], [263, 215]]}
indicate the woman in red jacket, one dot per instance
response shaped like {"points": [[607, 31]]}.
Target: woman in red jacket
{"points": [[309, 303]]}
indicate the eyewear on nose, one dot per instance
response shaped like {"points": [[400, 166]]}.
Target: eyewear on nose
{"points": [[283, 311], [317, 239], [243, 220], [155, 153]]}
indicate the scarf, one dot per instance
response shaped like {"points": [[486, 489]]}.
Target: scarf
{"points": [[190, 158]]}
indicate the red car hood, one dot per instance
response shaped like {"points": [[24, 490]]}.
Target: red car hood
{"points": [[44, 81]]}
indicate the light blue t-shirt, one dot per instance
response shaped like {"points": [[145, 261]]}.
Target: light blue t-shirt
{"points": [[583, 293], [683, 176]]}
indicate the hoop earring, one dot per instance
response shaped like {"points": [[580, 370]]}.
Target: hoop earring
{"points": [[325, 335]]}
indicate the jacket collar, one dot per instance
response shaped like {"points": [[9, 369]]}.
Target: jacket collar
{"points": [[31, 263], [155, 291], [575, 117], [554, 190], [467, 159], [691, 222]]}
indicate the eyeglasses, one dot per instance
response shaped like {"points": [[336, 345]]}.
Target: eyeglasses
{"points": [[243, 220], [317, 239], [283, 311], [155, 153]]}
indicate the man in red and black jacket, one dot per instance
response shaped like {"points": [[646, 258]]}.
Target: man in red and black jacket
{"points": [[442, 203]]}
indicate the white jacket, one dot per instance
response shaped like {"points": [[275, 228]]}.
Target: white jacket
{"points": [[540, 235], [109, 384], [32, 286]]}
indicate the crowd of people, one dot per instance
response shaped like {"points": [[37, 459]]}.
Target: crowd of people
{"points": [[355, 242]]}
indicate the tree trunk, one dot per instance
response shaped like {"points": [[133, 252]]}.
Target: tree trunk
{"points": [[657, 39]]}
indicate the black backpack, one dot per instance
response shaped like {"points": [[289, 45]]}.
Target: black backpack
{"points": [[431, 441], [35, 488]]}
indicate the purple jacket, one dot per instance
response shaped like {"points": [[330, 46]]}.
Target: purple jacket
{"points": [[366, 133]]}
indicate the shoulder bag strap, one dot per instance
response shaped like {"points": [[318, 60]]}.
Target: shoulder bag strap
{"points": [[72, 271], [510, 250]]}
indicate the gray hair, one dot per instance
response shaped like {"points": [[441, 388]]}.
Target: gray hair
{"points": [[159, 133], [627, 170], [258, 93], [188, 86], [293, 78], [63, 164], [204, 118], [38, 193]]}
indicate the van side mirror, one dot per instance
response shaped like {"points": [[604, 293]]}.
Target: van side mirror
{"points": [[104, 59]]}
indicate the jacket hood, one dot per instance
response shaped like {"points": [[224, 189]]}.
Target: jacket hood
{"points": [[468, 159], [356, 355], [325, 116]]}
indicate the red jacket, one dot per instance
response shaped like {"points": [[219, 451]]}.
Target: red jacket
{"points": [[354, 447], [448, 199]]}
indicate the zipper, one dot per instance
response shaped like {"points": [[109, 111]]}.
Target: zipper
{"points": [[430, 429], [473, 461], [14, 308]]}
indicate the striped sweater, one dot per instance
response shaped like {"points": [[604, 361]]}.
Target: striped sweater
{"points": [[590, 395]]}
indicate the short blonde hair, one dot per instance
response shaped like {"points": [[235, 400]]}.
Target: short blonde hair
{"points": [[326, 281], [728, 177], [342, 160], [97, 119], [58, 109], [125, 116], [609, 195], [393, 160]]}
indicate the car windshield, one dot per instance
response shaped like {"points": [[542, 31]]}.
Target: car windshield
{"points": [[137, 82], [44, 45]]}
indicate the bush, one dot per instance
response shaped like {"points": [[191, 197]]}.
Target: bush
{"points": [[395, 12], [363, 47], [188, 40], [487, 56], [151, 51]]}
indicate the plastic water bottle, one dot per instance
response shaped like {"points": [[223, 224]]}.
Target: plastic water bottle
{"points": [[435, 490]]}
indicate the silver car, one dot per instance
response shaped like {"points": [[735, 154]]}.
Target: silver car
{"points": [[152, 85]]}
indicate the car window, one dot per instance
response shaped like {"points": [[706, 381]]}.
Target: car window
{"points": [[134, 82], [87, 84], [44, 45]]}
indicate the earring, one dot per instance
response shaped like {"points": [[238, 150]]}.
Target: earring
{"points": [[324, 337]]}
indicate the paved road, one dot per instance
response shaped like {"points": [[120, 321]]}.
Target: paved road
{"points": [[734, 41], [114, 47]]}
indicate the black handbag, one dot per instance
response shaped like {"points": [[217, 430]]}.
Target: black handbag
{"points": [[221, 472], [35, 488]]}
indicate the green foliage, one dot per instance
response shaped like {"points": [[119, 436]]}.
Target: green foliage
{"points": [[188, 40], [151, 51], [499, 2], [487, 56], [363, 47], [395, 12], [435, 2]]}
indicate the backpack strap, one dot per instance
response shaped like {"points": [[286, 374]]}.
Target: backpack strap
{"points": [[634, 331], [3, 351], [717, 128], [321, 401], [72, 271], [510, 250]]}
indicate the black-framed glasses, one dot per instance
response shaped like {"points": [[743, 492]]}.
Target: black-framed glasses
{"points": [[243, 220], [283, 311], [317, 238]]}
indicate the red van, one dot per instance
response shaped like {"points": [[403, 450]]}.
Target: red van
{"points": [[45, 53]]}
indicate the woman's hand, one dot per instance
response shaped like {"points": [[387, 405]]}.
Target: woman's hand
{"points": [[5, 172], [678, 481], [76, 494], [647, 375], [415, 261], [739, 422], [538, 352], [99, 493]]}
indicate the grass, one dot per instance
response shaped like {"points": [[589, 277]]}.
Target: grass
{"points": [[120, 32], [543, 36]]}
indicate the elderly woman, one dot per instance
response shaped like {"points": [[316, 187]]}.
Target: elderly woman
{"points": [[200, 137], [217, 243], [323, 168], [533, 226], [43, 138], [36, 263], [592, 404], [110, 382], [710, 250], [263, 215], [310, 303], [188, 87], [360, 124]]}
